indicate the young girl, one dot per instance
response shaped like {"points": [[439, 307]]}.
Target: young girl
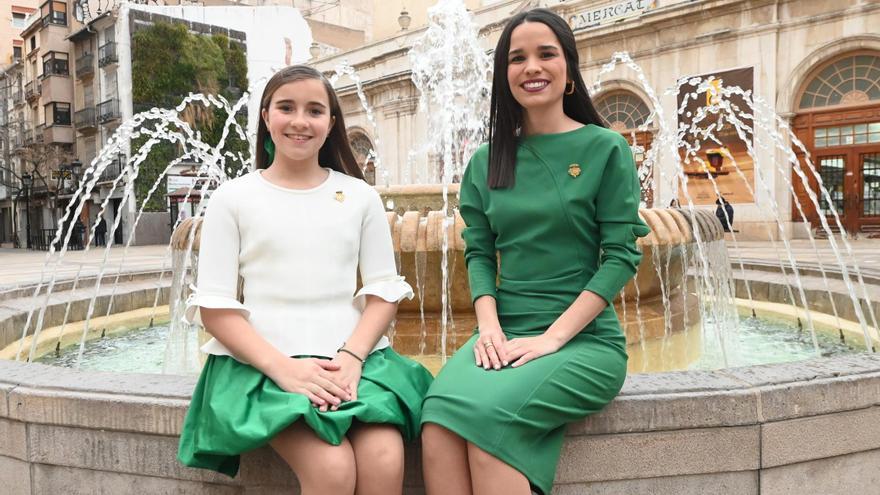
{"points": [[552, 191], [300, 364]]}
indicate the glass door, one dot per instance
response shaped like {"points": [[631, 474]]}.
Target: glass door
{"points": [[869, 178]]}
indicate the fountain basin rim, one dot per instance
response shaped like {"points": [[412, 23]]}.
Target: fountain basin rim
{"points": [[741, 385]]}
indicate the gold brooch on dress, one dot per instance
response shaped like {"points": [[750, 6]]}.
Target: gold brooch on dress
{"points": [[339, 196], [574, 170]]}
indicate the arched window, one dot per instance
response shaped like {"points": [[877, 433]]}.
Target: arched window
{"points": [[364, 154], [623, 111], [850, 80]]}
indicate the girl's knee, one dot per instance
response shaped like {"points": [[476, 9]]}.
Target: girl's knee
{"points": [[333, 470], [382, 453]]}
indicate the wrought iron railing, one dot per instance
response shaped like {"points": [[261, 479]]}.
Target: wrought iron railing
{"points": [[107, 54], [108, 110], [85, 65]]}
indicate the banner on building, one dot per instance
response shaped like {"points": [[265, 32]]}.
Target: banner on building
{"points": [[609, 13], [722, 166]]}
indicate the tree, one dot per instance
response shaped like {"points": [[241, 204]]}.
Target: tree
{"points": [[40, 160]]}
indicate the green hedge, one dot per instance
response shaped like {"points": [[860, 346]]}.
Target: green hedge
{"points": [[169, 62]]}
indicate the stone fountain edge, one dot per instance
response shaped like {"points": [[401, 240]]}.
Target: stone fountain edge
{"points": [[732, 424]]}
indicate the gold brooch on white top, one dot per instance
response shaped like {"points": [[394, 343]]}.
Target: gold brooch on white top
{"points": [[574, 170], [339, 196]]}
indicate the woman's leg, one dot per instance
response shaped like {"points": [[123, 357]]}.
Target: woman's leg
{"points": [[378, 453], [444, 461], [490, 475], [321, 468]]}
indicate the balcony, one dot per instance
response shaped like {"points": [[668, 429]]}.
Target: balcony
{"points": [[107, 54], [59, 134], [86, 120], [30, 137], [108, 111], [32, 90], [85, 66], [54, 12], [57, 89], [113, 170], [17, 141], [56, 67]]}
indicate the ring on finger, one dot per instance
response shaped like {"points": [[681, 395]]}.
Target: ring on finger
{"points": [[488, 345]]}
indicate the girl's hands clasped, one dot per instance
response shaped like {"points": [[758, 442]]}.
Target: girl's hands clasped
{"points": [[489, 349], [314, 378], [348, 375]]}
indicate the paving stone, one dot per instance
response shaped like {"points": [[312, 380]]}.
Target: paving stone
{"points": [[133, 453], [739, 483], [672, 412], [638, 455], [855, 474], [13, 439], [817, 437], [66, 480], [15, 477]]}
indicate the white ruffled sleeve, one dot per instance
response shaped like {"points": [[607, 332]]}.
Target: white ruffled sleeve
{"points": [[376, 259], [217, 280]]}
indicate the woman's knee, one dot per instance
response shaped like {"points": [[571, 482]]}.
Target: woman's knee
{"points": [[479, 458], [438, 441]]}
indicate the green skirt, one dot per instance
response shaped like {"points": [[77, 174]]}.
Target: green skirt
{"points": [[236, 408], [519, 414]]}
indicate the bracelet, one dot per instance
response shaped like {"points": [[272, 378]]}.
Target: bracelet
{"points": [[343, 349]]}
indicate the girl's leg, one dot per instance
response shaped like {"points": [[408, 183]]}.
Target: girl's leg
{"points": [[321, 468], [444, 461], [491, 475], [378, 453]]}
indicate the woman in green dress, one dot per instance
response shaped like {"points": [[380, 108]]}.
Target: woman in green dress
{"points": [[555, 196]]}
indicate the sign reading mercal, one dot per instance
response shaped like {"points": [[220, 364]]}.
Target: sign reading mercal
{"points": [[618, 11]]}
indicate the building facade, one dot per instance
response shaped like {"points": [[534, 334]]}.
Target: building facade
{"points": [[13, 20], [813, 63]]}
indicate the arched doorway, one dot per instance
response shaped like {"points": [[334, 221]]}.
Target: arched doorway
{"points": [[364, 154], [626, 113], [838, 120]]}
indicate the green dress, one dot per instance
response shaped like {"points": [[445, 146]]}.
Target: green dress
{"points": [[568, 224]]}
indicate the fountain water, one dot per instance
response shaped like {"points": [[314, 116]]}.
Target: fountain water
{"points": [[451, 70], [741, 421]]}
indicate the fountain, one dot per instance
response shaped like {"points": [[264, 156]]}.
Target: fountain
{"points": [[740, 429]]}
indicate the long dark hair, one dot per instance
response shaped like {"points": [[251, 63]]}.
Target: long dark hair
{"points": [[336, 152], [505, 113]]}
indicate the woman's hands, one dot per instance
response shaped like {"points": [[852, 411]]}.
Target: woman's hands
{"points": [[317, 379], [492, 350], [489, 349], [525, 349]]}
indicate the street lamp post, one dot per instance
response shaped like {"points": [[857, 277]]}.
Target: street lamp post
{"points": [[27, 181]]}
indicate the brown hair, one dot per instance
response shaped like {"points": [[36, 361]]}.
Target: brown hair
{"points": [[336, 151], [505, 113]]}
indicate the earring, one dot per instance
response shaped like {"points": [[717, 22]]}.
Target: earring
{"points": [[569, 90], [269, 146]]}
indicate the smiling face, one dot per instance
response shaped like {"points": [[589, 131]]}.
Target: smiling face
{"points": [[298, 119], [536, 70]]}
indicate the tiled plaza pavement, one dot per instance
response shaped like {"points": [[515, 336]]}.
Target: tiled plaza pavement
{"points": [[20, 267]]}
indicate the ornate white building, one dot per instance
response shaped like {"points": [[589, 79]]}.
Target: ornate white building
{"points": [[816, 63]]}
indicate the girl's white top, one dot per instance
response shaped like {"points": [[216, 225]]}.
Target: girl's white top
{"points": [[297, 251]]}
